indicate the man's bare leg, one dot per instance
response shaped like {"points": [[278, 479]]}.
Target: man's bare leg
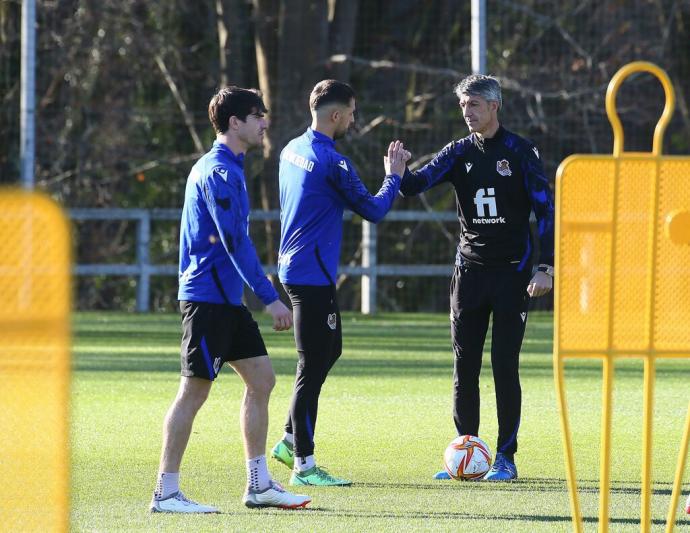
{"points": [[178, 421], [259, 380], [177, 428], [262, 491]]}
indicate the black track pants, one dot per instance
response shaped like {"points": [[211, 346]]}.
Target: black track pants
{"points": [[318, 337], [475, 294]]}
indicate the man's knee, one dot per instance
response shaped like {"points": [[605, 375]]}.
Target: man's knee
{"points": [[334, 359], [258, 376], [193, 392], [314, 366], [506, 375], [261, 388], [265, 384]]}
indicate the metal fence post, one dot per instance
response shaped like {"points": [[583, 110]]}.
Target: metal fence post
{"points": [[143, 238], [27, 98], [478, 24], [369, 264]]}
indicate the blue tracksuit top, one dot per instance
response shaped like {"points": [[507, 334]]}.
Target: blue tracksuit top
{"points": [[316, 185], [216, 254]]}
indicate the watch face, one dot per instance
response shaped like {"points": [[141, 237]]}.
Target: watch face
{"points": [[546, 270]]}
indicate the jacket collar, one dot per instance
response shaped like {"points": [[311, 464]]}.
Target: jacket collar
{"points": [[223, 149], [317, 136]]}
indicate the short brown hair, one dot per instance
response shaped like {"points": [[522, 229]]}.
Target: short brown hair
{"points": [[233, 101], [330, 92]]}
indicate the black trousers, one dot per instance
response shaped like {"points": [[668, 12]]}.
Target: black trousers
{"points": [[319, 341], [475, 294]]}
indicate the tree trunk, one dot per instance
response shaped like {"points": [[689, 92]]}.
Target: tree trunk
{"points": [[233, 23], [342, 36], [291, 43]]}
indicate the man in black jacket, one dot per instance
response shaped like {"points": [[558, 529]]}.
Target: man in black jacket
{"points": [[498, 180]]}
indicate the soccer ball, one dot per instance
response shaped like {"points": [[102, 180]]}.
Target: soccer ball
{"points": [[467, 457]]}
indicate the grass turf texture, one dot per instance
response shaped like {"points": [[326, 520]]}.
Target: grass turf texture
{"points": [[384, 421]]}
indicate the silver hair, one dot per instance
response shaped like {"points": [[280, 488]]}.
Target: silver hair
{"points": [[487, 87]]}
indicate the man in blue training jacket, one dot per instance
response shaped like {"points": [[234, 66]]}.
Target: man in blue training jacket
{"points": [[316, 185], [217, 258], [498, 180]]}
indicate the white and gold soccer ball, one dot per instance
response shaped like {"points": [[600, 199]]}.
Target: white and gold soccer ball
{"points": [[467, 457]]}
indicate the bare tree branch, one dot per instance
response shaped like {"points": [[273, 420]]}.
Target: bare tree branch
{"points": [[188, 119], [172, 160], [507, 83]]}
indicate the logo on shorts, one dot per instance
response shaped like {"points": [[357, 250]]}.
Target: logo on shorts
{"points": [[216, 365], [332, 322], [503, 167], [523, 316]]}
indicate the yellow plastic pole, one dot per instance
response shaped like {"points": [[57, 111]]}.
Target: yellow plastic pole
{"points": [[676, 228], [608, 369], [647, 419], [650, 358], [561, 398], [568, 447], [675, 494], [612, 91], [34, 363]]}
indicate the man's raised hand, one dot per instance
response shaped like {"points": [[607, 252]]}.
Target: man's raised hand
{"points": [[395, 161]]}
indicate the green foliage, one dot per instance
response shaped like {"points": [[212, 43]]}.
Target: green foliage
{"points": [[384, 420]]}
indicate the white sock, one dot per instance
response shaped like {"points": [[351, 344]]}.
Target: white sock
{"points": [[167, 485], [289, 437], [302, 464], [258, 477]]}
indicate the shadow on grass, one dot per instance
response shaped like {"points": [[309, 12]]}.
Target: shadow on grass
{"points": [[394, 344], [525, 485], [356, 366], [456, 515], [388, 346], [281, 366], [130, 335]]}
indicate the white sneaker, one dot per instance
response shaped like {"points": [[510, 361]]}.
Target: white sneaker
{"points": [[179, 503], [274, 496]]}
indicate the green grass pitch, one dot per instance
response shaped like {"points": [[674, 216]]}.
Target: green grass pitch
{"points": [[384, 421]]}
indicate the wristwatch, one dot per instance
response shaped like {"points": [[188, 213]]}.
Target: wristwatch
{"points": [[546, 269]]}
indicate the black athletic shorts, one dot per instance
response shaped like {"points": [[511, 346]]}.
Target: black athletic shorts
{"points": [[213, 334]]}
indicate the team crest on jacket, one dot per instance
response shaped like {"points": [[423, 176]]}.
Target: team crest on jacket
{"points": [[331, 321], [503, 168]]}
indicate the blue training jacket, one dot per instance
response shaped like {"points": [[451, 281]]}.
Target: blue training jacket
{"points": [[316, 185], [216, 254]]}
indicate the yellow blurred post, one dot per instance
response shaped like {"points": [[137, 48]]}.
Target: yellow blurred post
{"points": [[675, 494], [34, 363], [605, 452], [622, 289]]}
